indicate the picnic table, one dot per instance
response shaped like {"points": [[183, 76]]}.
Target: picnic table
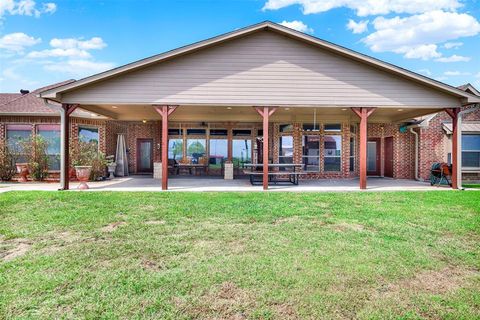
{"points": [[192, 166], [275, 175]]}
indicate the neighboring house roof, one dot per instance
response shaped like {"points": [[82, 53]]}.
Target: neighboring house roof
{"points": [[29, 103], [466, 127], [469, 88], [267, 25]]}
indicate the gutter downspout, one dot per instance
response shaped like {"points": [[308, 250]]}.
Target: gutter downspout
{"points": [[416, 153]]}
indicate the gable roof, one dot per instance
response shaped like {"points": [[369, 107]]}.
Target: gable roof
{"points": [[469, 88], [29, 103], [267, 25]]}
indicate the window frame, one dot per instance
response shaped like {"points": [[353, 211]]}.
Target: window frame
{"points": [[470, 151], [38, 129], [304, 165], [325, 156]]}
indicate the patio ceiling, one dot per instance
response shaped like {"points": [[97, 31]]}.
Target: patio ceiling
{"points": [[248, 114]]}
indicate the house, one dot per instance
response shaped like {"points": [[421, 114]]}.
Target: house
{"points": [[265, 93]]}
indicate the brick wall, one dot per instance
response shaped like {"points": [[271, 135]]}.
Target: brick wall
{"points": [[74, 124], [434, 144]]}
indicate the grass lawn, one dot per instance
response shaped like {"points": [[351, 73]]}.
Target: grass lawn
{"points": [[475, 186], [405, 255]]}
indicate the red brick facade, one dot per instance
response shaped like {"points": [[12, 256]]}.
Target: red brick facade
{"points": [[435, 145], [433, 142]]}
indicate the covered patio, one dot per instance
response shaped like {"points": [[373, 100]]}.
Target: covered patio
{"points": [[335, 105], [146, 183]]}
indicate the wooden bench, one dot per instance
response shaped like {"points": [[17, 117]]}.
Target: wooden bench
{"points": [[273, 176]]}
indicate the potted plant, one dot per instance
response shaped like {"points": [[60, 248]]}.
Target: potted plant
{"points": [[88, 162], [111, 166], [37, 156]]}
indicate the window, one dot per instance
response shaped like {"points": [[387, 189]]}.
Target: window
{"points": [[241, 132], [196, 150], [218, 153], [285, 148], [175, 149], [241, 151], [333, 127], [218, 132], [352, 154], [87, 134], [311, 153], [260, 133], [15, 135], [285, 128], [311, 127], [175, 132], [332, 153], [196, 132], [470, 150], [51, 134]]}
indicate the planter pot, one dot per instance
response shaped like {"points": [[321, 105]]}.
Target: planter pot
{"points": [[111, 170], [22, 169], [83, 174], [72, 173]]}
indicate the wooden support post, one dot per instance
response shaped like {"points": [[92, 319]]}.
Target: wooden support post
{"points": [[453, 113], [363, 114], [265, 112], [65, 113], [165, 112]]}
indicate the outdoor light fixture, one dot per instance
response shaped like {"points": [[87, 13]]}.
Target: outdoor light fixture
{"points": [[287, 109], [229, 108], [114, 107], [344, 109], [144, 121], [400, 110]]}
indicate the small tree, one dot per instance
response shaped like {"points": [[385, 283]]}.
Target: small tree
{"points": [[8, 158], [37, 157]]}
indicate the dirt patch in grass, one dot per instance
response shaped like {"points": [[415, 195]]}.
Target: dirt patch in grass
{"points": [[434, 281], [20, 248], [151, 265], [344, 226], [154, 222], [226, 301], [285, 311], [113, 226]]}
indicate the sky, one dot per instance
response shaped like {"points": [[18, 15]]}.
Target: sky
{"points": [[44, 42]]}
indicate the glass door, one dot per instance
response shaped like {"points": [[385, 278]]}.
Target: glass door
{"points": [[144, 155]]}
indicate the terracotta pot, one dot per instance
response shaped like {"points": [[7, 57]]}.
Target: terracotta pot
{"points": [[72, 173], [83, 174], [22, 169]]}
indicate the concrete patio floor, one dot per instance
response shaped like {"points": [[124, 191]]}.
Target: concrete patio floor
{"points": [[147, 183]]}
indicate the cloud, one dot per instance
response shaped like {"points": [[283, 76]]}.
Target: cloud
{"points": [[441, 78], [70, 47], [357, 27], [17, 42], [417, 36], [297, 25], [453, 58], [452, 45], [367, 7], [456, 73], [25, 8], [79, 68], [425, 71], [73, 52], [70, 43]]}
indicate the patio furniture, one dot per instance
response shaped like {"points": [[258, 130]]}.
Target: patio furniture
{"points": [[274, 176], [173, 166], [441, 173]]}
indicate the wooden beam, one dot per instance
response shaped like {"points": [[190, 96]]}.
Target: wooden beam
{"points": [[67, 110], [165, 112], [265, 112], [363, 114], [453, 113]]}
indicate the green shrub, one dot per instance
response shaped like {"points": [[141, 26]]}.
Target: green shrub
{"points": [[8, 159], [37, 157]]}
